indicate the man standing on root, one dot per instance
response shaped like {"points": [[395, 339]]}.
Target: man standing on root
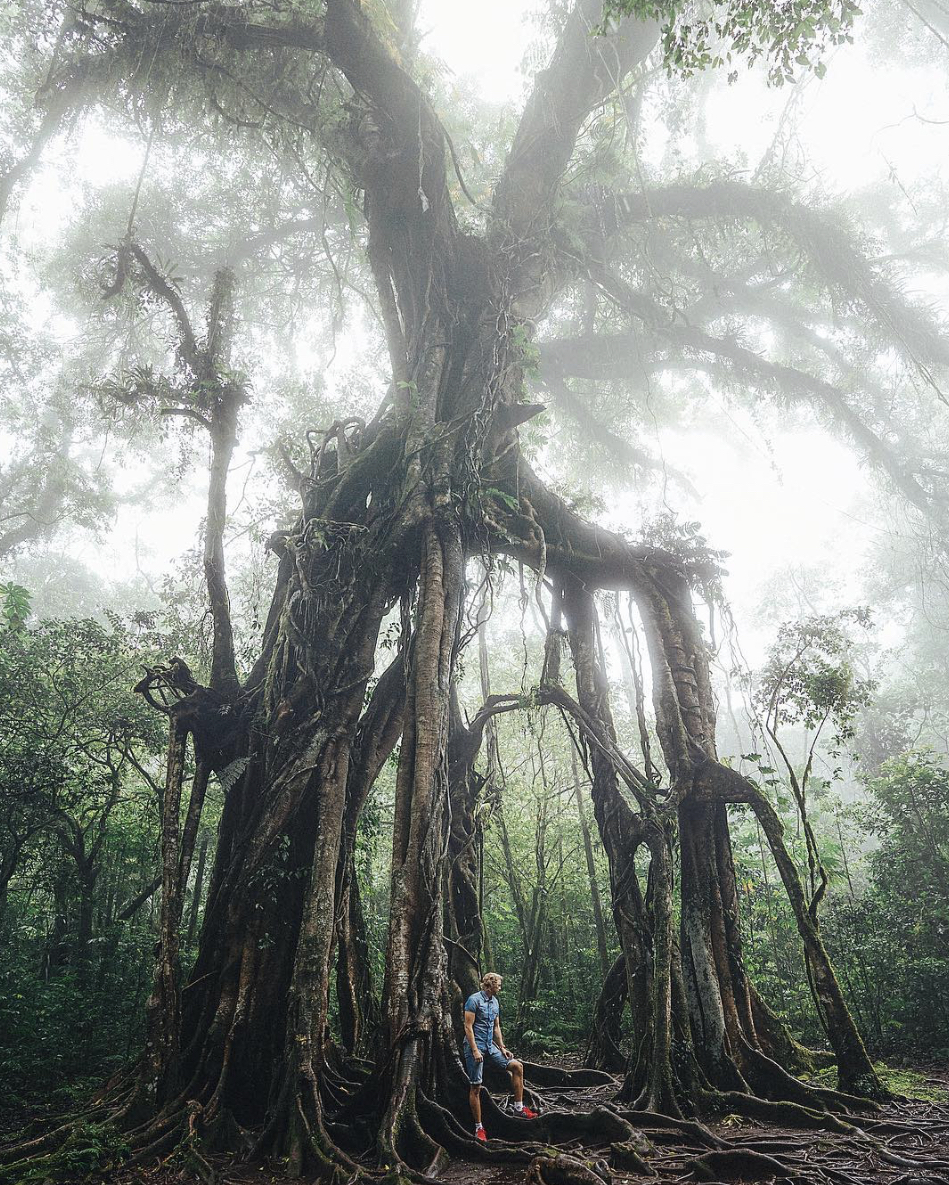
{"points": [[483, 1040]]}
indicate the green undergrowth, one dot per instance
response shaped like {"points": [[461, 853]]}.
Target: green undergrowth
{"points": [[914, 1084], [90, 1148]]}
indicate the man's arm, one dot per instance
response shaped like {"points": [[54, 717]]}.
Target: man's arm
{"points": [[469, 1033], [498, 1039]]}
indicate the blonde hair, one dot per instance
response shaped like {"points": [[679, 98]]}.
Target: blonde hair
{"points": [[491, 979]]}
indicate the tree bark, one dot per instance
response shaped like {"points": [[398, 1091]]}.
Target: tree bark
{"points": [[198, 887], [601, 941]]}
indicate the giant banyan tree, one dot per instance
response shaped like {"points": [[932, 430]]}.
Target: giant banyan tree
{"points": [[395, 513]]}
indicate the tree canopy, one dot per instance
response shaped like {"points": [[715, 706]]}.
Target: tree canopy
{"points": [[429, 685]]}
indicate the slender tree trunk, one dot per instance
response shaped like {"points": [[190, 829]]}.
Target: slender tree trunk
{"points": [[857, 1075], [601, 941], [162, 1043], [198, 887]]}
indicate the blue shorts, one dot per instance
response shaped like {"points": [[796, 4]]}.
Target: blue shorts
{"points": [[476, 1069]]}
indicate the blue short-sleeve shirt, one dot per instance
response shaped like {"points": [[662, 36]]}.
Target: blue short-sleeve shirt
{"points": [[486, 1009]]}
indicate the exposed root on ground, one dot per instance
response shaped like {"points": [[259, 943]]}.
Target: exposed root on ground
{"points": [[581, 1137]]}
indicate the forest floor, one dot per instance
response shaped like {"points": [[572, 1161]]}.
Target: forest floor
{"points": [[916, 1128], [893, 1148]]}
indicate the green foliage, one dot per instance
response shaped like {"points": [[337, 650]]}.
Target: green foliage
{"points": [[69, 722], [910, 1083], [905, 926], [505, 499], [16, 605], [809, 677], [885, 918], [909, 812], [788, 37], [89, 1148], [60, 1035], [78, 821], [686, 540]]}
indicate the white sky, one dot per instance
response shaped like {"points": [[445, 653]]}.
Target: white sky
{"points": [[808, 497], [488, 49]]}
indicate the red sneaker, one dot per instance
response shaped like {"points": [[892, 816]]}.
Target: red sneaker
{"points": [[481, 1135], [526, 1113]]}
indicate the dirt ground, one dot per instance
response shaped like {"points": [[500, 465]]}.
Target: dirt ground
{"points": [[907, 1143]]}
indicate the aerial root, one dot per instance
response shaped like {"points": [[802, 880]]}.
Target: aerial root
{"points": [[296, 1130], [435, 1154], [148, 1141], [444, 1128], [864, 1143], [628, 1147], [731, 1102], [15, 1153], [737, 1164], [647, 1120], [159, 1136], [771, 1080], [846, 1103], [627, 1155], [554, 1076], [561, 1169], [28, 1143], [904, 1143], [600, 1124]]}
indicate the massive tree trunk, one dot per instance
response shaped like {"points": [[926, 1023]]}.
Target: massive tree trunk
{"points": [[390, 513]]}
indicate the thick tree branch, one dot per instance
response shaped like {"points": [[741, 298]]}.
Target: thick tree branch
{"points": [[170, 296], [398, 154], [187, 413], [134, 904], [233, 24], [616, 447], [573, 545], [832, 249], [610, 357], [465, 743], [584, 71]]}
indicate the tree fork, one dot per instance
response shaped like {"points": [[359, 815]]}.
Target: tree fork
{"points": [[685, 720]]}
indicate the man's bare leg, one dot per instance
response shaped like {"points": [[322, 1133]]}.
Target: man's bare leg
{"points": [[474, 1101], [516, 1070]]}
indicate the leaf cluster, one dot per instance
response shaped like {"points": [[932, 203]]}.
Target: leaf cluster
{"points": [[788, 36], [810, 675]]}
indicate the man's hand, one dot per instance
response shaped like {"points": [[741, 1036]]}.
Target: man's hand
{"points": [[477, 1055], [507, 1053]]}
